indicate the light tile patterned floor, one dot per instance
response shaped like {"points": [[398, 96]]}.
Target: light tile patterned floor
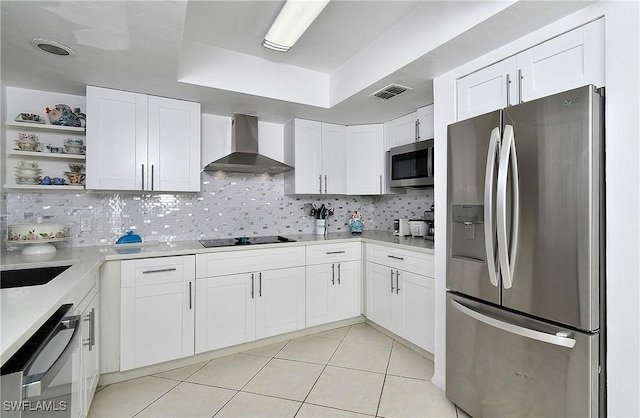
{"points": [[353, 371]]}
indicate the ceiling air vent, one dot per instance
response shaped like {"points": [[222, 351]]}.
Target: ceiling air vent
{"points": [[390, 91]]}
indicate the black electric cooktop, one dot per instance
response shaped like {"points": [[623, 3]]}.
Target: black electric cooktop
{"points": [[230, 242]]}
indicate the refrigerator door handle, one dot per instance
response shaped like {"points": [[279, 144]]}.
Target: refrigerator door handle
{"points": [[559, 340], [506, 256], [489, 228]]}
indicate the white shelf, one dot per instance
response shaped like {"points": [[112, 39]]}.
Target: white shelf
{"points": [[64, 156], [44, 187], [45, 127]]}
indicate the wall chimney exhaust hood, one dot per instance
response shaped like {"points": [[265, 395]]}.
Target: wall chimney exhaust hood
{"points": [[244, 157]]}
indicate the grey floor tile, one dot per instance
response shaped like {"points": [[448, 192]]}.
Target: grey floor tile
{"points": [[315, 411], [405, 397], [189, 400], [181, 373], [285, 379], [311, 349], [362, 356], [249, 405], [337, 333], [364, 333], [407, 363], [267, 351], [231, 372]]}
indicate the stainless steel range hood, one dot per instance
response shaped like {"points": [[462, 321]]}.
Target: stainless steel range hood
{"points": [[244, 157]]}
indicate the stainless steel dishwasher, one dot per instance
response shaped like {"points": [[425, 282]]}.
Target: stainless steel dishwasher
{"points": [[42, 378]]}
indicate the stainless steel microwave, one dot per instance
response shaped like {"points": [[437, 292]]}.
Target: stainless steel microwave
{"points": [[411, 165]]}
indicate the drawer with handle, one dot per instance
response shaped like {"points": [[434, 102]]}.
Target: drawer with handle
{"points": [[333, 253], [397, 258], [159, 270]]}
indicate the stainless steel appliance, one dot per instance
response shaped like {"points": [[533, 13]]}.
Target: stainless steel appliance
{"points": [[430, 219], [40, 379], [525, 271], [411, 165], [418, 228], [401, 227], [227, 242]]}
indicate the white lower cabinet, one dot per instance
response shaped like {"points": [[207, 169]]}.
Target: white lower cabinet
{"points": [[90, 350], [157, 320], [241, 296], [401, 300]]}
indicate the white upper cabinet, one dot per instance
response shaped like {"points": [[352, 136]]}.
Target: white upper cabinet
{"points": [[424, 122], [568, 61], [366, 159], [317, 151], [402, 131], [139, 142]]}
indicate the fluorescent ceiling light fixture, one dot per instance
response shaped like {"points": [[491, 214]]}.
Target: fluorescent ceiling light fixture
{"points": [[294, 18]]}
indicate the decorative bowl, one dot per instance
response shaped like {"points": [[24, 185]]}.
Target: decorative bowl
{"points": [[74, 142], [28, 137], [74, 150], [26, 164], [77, 167], [27, 146], [75, 178], [28, 172], [36, 232]]}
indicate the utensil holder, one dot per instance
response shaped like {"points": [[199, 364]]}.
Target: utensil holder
{"points": [[321, 225]]}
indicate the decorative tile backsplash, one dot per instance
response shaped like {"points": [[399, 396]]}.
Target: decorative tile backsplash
{"points": [[229, 205]]}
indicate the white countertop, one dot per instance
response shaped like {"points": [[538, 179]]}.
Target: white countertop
{"points": [[25, 309]]}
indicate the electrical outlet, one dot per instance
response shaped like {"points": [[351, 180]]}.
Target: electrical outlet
{"points": [[85, 224]]}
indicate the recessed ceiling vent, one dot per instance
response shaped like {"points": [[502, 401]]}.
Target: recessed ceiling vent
{"points": [[52, 47], [392, 90]]}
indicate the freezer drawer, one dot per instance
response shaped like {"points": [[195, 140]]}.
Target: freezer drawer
{"points": [[500, 364]]}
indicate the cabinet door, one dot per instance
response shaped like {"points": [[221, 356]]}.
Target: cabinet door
{"points": [[116, 140], [365, 160], [174, 145], [90, 350], [415, 320], [565, 62], [424, 119], [280, 304], [402, 130], [347, 290], [304, 137], [381, 298], [226, 313], [334, 152], [488, 89], [320, 288]]}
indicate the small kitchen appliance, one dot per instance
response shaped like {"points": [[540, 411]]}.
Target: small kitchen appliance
{"points": [[401, 227], [418, 228], [429, 219], [411, 165]]}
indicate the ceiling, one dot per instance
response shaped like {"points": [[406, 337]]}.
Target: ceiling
{"points": [[209, 51]]}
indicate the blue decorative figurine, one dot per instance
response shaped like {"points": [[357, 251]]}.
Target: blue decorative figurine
{"points": [[355, 223]]}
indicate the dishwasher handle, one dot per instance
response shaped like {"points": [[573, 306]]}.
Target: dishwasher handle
{"points": [[34, 385]]}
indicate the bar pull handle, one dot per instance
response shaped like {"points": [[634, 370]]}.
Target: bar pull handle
{"points": [[392, 288], [508, 90], [335, 252], [190, 300], [92, 328], [159, 270], [320, 182], [506, 256], [260, 284], [489, 227], [152, 167], [325, 184], [333, 274], [381, 184], [559, 339], [142, 188], [339, 273], [417, 130], [395, 257], [397, 282], [520, 77], [430, 162]]}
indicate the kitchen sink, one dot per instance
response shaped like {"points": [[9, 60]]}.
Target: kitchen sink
{"points": [[29, 277]]}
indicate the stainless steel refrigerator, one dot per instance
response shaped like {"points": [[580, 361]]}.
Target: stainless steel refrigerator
{"points": [[525, 259]]}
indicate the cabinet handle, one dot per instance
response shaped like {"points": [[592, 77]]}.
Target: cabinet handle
{"points": [[520, 85], [142, 188], [260, 283], [159, 271], [392, 288], [190, 303], [252, 283], [430, 162], [417, 130], [333, 274], [338, 273], [508, 90], [380, 183], [152, 166], [320, 181], [395, 257], [325, 184], [335, 252], [397, 282], [90, 318]]}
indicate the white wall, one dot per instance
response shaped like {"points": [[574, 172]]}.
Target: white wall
{"points": [[622, 194]]}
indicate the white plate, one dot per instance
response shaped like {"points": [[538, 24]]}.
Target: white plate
{"points": [[36, 241], [28, 182]]}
